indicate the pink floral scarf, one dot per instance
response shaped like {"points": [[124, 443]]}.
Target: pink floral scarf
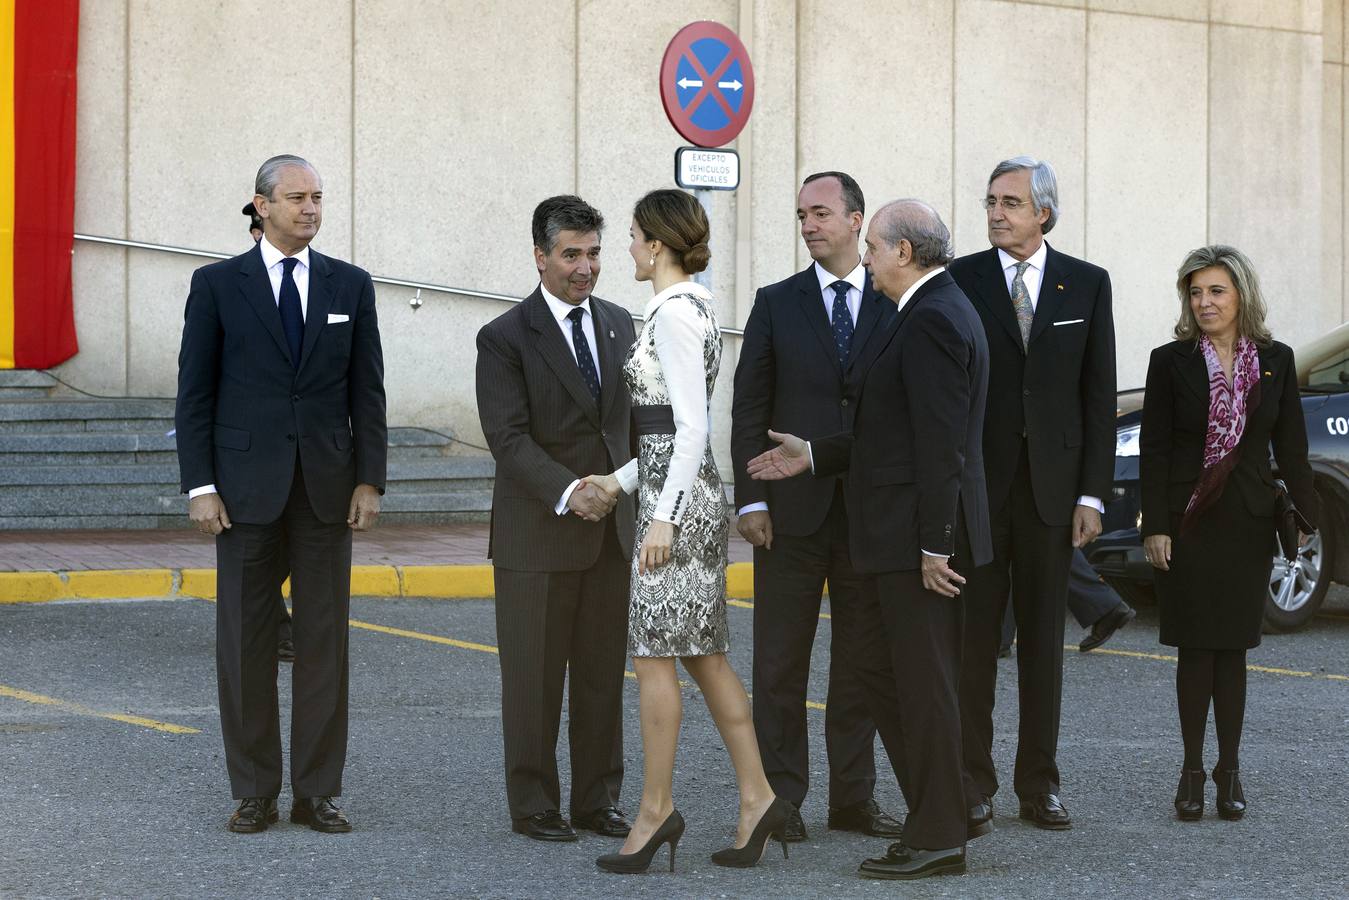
{"points": [[1227, 407]]}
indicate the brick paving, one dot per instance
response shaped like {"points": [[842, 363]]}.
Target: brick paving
{"points": [[390, 545]]}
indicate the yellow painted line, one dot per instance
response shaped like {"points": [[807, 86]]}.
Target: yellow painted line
{"points": [[1268, 670], [740, 581], [448, 581], [119, 583], [81, 709], [30, 587], [422, 636]]}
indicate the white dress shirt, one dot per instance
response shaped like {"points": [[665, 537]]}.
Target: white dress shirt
{"points": [[1034, 274], [857, 280], [560, 310], [1033, 277], [271, 261]]}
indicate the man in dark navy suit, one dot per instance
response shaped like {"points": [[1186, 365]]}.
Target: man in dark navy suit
{"points": [[802, 335], [282, 444]]}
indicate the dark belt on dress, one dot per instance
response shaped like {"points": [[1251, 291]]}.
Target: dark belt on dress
{"points": [[655, 419]]}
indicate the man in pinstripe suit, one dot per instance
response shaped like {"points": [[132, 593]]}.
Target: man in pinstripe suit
{"points": [[554, 409]]}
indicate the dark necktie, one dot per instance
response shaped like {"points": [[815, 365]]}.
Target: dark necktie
{"points": [[584, 361], [292, 316], [842, 321]]}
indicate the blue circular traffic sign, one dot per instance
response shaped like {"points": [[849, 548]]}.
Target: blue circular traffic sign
{"points": [[707, 84]]}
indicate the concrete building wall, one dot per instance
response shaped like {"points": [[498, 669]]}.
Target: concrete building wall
{"points": [[438, 124]]}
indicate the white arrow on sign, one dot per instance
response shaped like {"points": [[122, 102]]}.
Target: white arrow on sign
{"points": [[730, 85], [688, 83]]}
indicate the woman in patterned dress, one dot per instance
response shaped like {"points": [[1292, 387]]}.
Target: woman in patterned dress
{"points": [[678, 602]]}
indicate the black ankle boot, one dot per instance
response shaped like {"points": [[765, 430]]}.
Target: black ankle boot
{"points": [[1190, 795], [1231, 799]]}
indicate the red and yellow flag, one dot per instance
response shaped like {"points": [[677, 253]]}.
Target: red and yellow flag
{"points": [[38, 40]]}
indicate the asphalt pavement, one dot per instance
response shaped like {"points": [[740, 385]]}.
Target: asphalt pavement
{"points": [[136, 805]]}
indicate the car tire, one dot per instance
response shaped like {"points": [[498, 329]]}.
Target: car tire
{"points": [[1297, 591]]}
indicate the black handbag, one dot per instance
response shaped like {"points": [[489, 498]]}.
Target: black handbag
{"points": [[1288, 522]]}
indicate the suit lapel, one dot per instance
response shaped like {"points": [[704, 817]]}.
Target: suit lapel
{"points": [[320, 301], [1054, 289], [611, 373], [873, 310], [1193, 370], [992, 294], [555, 352], [257, 290], [812, 307]]}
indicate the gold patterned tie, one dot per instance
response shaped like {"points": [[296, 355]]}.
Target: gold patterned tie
{"points": [[1025, 313]]}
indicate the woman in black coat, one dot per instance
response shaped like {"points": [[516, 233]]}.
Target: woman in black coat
{"points": [[1217, 398]]}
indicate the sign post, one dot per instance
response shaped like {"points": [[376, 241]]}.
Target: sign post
{"points": [[707, 89]]}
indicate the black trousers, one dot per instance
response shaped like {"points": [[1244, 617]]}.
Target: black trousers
{"points": [[906, 641], [249, 559], [554, 627], [788, 582], [1031, 559], [1089, 598]]}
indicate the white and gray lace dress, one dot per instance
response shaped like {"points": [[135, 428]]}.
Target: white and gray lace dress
{"points": [[678, 609]]}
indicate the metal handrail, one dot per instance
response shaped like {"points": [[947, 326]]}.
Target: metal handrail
{"points": [[415, 302]]}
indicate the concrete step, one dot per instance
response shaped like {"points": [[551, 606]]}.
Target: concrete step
{"points": [[149, 507], [25, 384], [424, 475]]}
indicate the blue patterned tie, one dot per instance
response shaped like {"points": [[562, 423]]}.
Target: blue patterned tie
{"points": [[292, 315], [842, 321], [584, 360]]}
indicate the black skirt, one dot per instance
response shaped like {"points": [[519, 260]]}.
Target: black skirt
{"points": [[1213, 597]]}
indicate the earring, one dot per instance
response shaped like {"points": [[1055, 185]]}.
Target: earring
{"points": [[653, 259]]}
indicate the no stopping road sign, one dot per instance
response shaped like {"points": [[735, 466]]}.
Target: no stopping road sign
{"points": [[707, 84]]}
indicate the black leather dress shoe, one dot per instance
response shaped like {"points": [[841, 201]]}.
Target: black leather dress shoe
{"points": [[320, 814], [1106, 626], [545, 826], [981, 818], [285, 650], [901, 863], [865, 818], [1045, 811], [253, 815], [606, 821], [794, 832]]}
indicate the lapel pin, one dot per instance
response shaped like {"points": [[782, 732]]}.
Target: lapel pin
{"points": [[1270, 374], [1059, 286]]}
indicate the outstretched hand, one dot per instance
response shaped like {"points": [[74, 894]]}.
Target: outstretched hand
{"points": [[789, 458]]}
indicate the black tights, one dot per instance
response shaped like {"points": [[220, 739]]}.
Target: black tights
{"points": [[1216, 674]]}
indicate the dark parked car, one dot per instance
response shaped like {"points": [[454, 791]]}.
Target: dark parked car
{"points": [[1296, 591]]}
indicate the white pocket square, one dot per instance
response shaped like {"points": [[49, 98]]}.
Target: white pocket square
{"points": [[1064, 322], [334, 318]]}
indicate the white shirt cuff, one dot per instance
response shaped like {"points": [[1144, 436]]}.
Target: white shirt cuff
{"points": [[938, 555], [810, 455], [561, 508], [627, 476], [1094, 502], [761, 506], [201, 491]]}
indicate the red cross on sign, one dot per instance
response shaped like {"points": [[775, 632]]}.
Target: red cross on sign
{"points": [[707, 84]]}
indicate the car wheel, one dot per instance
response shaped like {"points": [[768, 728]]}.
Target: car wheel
{"points": [[1297, 589]]}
